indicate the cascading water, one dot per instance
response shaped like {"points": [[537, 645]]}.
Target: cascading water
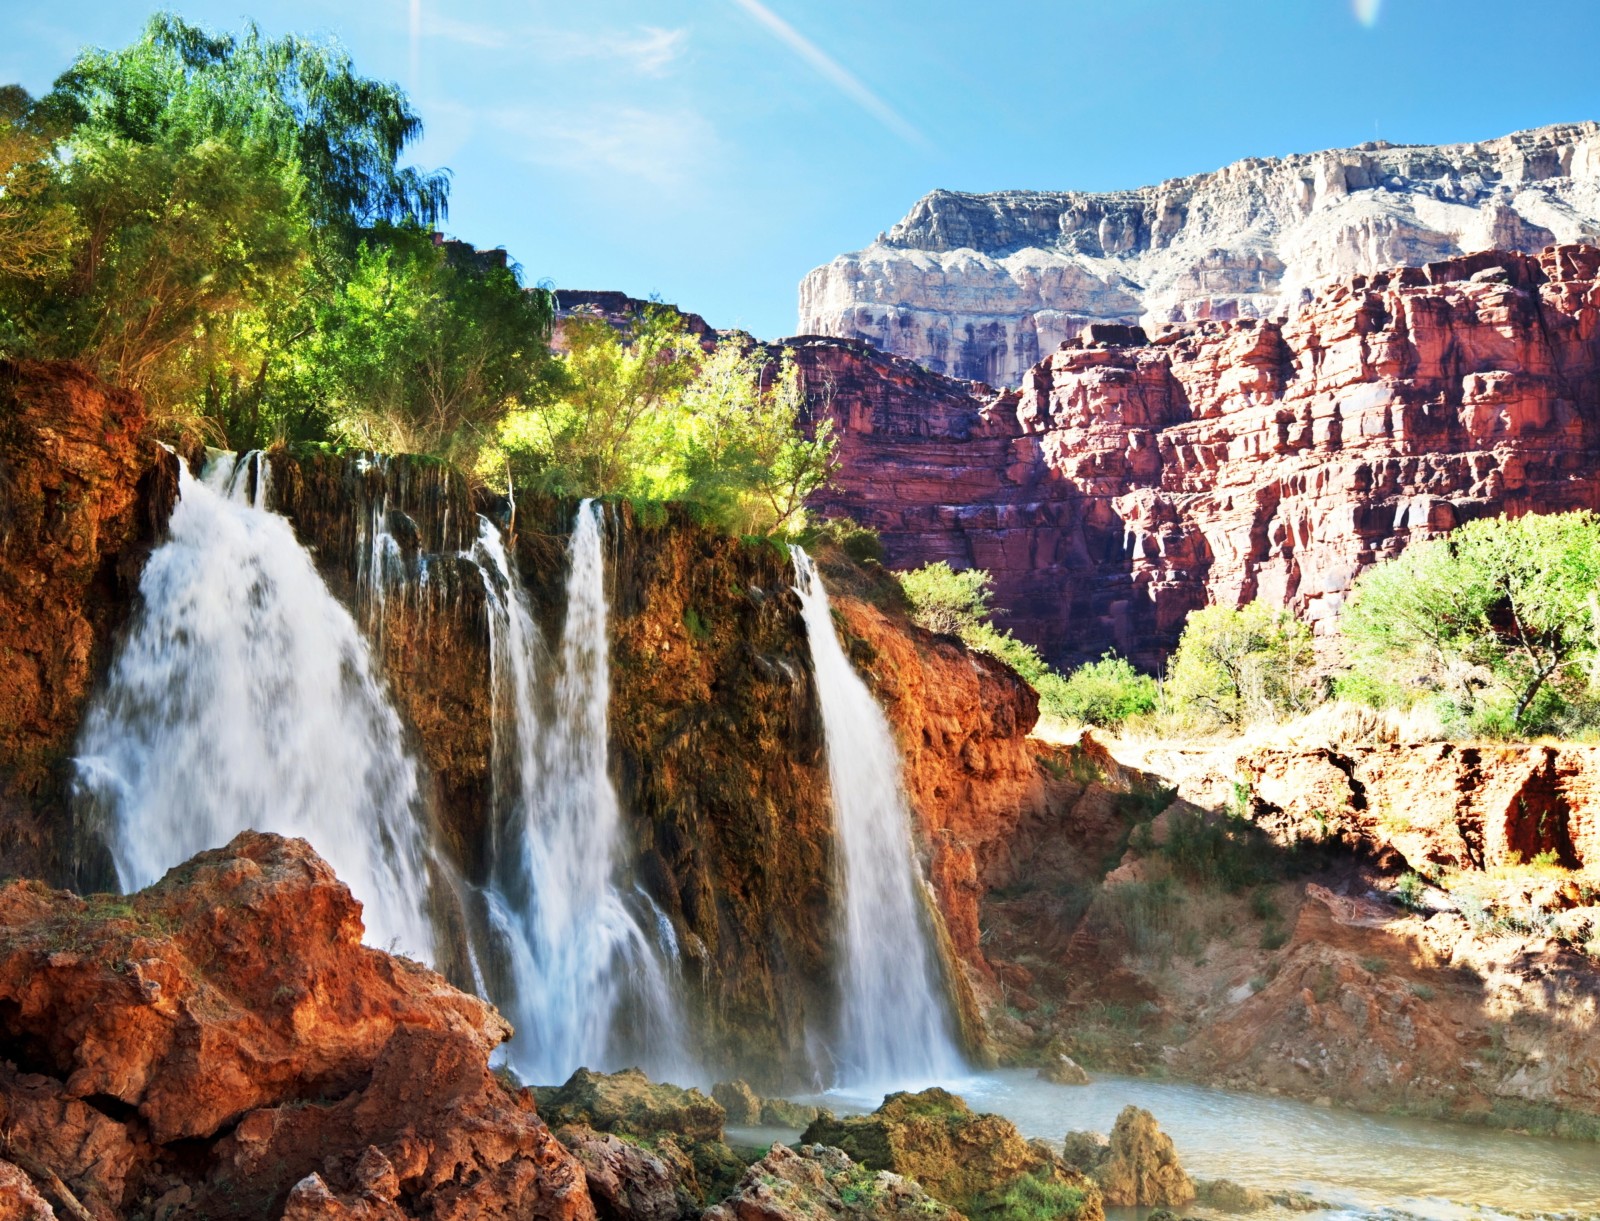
{"points": [[244, 697], [894, 1028], [586, 984]]}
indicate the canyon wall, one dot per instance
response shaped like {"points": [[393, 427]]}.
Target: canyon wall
{"points": [[982, 286], [1130, 480], [716, 738]]}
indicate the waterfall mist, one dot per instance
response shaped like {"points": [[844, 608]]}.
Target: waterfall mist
{"points": [[587, 985], [894, 1025], [245, 697]]}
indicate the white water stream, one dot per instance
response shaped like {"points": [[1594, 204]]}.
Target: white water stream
{"points": [[244, 697], [590, 988], [894, 1028]]}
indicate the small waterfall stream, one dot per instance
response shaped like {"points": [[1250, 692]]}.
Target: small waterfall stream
{"points": [[589, 986], [245, 697], [894, 1028]]}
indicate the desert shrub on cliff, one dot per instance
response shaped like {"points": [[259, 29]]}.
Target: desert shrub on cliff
{"points": [[1237, 667], [1498, 624], [646, 413], [957, 603]]}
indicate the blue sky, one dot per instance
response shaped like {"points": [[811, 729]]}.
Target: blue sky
{"points": [[713, 151]]}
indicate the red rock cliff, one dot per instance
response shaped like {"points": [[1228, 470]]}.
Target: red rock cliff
{"points": [[1128, 483]]}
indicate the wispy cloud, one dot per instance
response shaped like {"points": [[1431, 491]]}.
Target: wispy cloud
{"points": [[645, 50], [833, 71], [1367, 11], [614, 144]]}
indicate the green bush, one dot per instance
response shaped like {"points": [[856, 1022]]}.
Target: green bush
{"points": [[1107, 692], [1497, 624], [1236, 667]]}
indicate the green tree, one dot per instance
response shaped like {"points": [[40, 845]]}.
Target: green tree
{"points": [[744, 451], [36, 228], [959, 603], [607, 427], [218, 188], [1499, 617], [422, 350], [944, 600], [1239, 666]]}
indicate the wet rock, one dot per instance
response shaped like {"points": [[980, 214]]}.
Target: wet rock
{"points": [[815, 1182], [630, 1181], [782, 1113], [675, 1121], [1064, 1070], [970, 1160], [1085, 1150], [630, 1104], [742, 1104], [1229, 1196], [223, 1043], [1141, 1166]]}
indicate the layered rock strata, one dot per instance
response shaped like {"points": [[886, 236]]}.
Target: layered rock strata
{"points": [[1130, 482], [983, 286]]}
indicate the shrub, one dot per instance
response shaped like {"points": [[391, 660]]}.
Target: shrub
{"points": [[1034, 1199], [1107, 692], [1237, 667], [1499, 622]]}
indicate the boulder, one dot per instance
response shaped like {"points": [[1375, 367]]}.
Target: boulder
{"points": [[1064, 1070], [782, 1113], [972, 1161], [223, 1044], [1230, 1197], [675, 1122], [742, 1104], [630, 1104], [817, 1182], [629, 1181], [1141, 1166]]}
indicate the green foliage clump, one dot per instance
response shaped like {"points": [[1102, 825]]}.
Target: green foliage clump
{"points": [[1108, 692], [958, 603], [647, 414], [422, 351], [1498, 624], [1236, 667], [1032, 1198], [185, 201]]}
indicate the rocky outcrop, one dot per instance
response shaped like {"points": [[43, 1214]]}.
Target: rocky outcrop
{"points": [[983, 286], [815, 1183], [82, 495], [222, 1042], [970, 1160], [1126, 484], [1137, 1166], [1437, 805]]}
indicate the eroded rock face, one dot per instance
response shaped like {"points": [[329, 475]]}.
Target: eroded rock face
{"points": [[1123, 486], [222, 1040], [82, 495], [815, 1183], [967, 1159], [983, 286]]}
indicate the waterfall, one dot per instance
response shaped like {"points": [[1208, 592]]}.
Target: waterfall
{"points": [[587, 986], [894, 1028], [245, 697]]}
